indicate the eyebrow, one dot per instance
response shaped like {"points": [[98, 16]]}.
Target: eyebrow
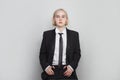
{"points": [[58, 15]]}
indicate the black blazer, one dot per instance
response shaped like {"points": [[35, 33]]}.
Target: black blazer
{"points": [[73, 52]]}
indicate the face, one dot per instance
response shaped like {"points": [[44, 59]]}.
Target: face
{"points": [[60, 18]]}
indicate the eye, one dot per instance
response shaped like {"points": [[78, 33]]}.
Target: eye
{"points": [[57, 16], [63, 16]]}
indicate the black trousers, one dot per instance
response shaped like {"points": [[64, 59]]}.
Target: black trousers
{"points": [[58, 75]]}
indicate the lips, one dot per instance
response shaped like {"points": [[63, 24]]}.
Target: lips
{"points": [[60, 22]]}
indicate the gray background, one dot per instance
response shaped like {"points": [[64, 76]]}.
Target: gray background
{"points": [[22, 23]]}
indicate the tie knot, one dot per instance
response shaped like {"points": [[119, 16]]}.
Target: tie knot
{"points": [[60, 34]]}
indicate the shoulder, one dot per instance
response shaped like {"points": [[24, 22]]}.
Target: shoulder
{"points": [[47, 32], [73, 32]]}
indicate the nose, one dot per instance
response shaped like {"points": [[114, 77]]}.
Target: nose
{"points": [[60, 19]]}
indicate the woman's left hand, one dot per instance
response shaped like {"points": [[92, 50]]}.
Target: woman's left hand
{"points": [[68, 71]]}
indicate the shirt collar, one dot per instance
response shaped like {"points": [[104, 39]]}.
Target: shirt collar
{"points": [[58, 31]]}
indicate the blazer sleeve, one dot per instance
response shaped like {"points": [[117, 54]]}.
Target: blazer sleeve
{"points": [[77, 53], [43, 53]]}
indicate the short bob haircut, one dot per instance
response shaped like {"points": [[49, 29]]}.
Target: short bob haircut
{"points": [[53, 20]]}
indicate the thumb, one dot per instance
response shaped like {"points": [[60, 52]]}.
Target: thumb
{"points": [[64, 67]]}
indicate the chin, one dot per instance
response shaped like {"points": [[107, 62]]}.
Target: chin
{"points": [[61, 25]]}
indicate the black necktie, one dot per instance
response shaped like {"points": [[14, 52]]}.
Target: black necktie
{"points": [[60, 49]]}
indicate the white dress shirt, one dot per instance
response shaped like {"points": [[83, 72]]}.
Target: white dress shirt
{"points": [[56, 51]]}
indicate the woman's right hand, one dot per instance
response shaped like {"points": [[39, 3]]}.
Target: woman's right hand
{"points": [[49, 70]]}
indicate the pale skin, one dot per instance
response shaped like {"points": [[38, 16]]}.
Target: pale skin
{"points": [[60, 19]]}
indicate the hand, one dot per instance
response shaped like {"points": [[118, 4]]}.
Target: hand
{"points": [[68, 72], [49, 70]]}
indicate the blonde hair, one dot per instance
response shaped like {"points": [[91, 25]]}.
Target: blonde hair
{"points": [[53, 20]]}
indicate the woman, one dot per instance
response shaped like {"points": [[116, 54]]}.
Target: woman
{"points": [[60, 50]]}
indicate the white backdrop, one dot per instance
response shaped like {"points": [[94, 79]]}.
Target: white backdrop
{"points": [[22, 23]]}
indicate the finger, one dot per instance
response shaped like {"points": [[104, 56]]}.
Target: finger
{"points": [[64, 67], [52, 71], [65, 72], [53, 67], [49, 71], [68, 74]]}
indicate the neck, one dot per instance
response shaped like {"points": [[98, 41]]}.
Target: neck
{"points": [[61, 28]]}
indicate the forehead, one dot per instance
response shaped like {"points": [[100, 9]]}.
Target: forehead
{"points": [[60, 12]]}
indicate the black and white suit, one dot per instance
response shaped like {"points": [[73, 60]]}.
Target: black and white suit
{"points": [[73, 52]]}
